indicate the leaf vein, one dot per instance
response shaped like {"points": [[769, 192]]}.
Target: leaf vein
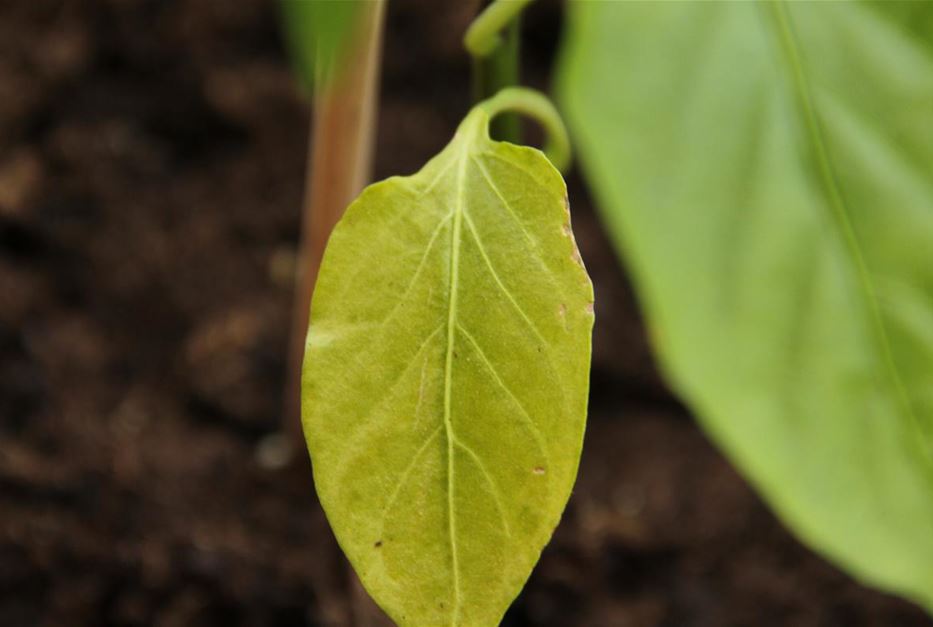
{"points": [[493, 488], [499, 283], [489, 153], [440, 175], [495, 189], [843, 221], [357, 435], [414, 278], [535, 428], [404, 476], [448, 382]]}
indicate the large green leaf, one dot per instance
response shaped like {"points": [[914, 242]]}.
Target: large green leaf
{"points": [[766, 171], [445, 378]]}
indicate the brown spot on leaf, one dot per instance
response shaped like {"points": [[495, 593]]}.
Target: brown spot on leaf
{"points": [[575, 255], [538, 470], [378, 544]]}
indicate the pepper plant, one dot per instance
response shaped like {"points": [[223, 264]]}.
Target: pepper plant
{"points": [[765, 170]]}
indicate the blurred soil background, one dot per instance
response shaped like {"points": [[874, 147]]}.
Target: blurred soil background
{"points": [[152, 155]]}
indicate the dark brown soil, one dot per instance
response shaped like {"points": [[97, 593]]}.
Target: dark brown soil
{"points": [[151, 162]]}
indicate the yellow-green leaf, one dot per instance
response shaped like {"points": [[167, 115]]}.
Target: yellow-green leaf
{"points": [[445, 379], [767, 169]]}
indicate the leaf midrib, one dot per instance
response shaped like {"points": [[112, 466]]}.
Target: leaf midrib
{"points": [[841, 220], [448, 375]]}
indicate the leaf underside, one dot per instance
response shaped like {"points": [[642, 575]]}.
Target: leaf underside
{"points": [[766, 171], [445, 378]]}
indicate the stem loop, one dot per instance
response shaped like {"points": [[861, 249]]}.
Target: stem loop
{"points": [[537, 106]]}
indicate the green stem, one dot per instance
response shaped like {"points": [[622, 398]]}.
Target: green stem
{"points": [[482, 38], [496, 59], [537, 106], [494, 72]]}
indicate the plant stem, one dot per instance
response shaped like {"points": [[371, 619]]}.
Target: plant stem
{"points": [[492, 73], [496, 59], [341, 152], [482, 38]]}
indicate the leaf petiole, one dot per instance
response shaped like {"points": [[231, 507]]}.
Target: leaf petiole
{"points": [[494, 42], [537, 106]]}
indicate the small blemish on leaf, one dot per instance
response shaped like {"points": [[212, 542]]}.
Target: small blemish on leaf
{"points": [[562, 314], [538, 470], [378, 544], [589, 308]]}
